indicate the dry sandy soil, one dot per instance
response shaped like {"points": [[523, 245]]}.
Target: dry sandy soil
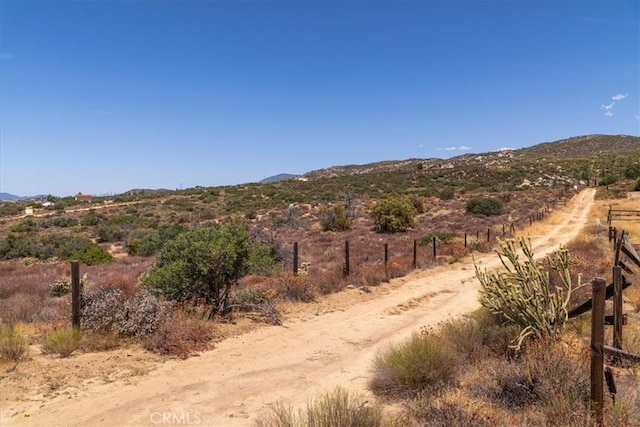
{"points": [[321, 345]]}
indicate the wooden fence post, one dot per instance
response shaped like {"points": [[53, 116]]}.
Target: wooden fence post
{"points": [[346, 258], [488, 234], [617, 308], [465, 239], [75, 293], [295, 258], [434, 246], [386, 253], [597, 347], [415, 254], [503, 231]]}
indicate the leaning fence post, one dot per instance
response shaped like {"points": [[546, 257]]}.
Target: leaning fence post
{"points": [[75, 294], [617, 307], [295, 258], [597, 347]]}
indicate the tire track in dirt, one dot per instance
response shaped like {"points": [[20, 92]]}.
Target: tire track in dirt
{"points": [[233, 384]]}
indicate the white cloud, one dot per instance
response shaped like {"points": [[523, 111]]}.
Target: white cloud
{"points": [[619, 96], [608, 107], [609, 113], [638, 118], [505, 149], [420, 145], [464, 148], [450, 149]]}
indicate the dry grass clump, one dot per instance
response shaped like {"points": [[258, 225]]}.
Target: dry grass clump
{"points": [[13, 346], [338, 408], [421, 363], [179, 334], [478, 336], [63, 341]]}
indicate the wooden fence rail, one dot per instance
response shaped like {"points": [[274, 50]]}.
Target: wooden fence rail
{"points": [[600, 293]]}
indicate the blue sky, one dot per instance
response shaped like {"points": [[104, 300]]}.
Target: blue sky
{"points": [[105, 96]]}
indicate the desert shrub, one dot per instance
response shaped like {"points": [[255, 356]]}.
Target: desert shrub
{"points": [[150, 242], [107, 310], [62, 341], [608, 180], [92, 254], [62, 286], [393, 215], [25, 226], [426, 411], [420, 363], [478, 335], [140, 316], [202, 264], [522, 294], [100, 341], [263, 258], [636, 187], [487, 206], [101, 309], [289, 287], [549, 373], [110, 233], [417, 203], [179, 335], [13, 346], [91, 219], [447, 193], [338, 408], [59, 221], [335, 219], [442, 238]]}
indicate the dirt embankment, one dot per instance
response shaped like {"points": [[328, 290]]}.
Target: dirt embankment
{"points": [[327, 344]]}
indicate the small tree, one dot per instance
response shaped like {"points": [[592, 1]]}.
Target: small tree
{"points": [[335, 219], [522, 294], [393, 215], [202, 265]]}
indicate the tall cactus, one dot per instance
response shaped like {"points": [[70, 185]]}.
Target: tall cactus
{"points": [[522, 293]]}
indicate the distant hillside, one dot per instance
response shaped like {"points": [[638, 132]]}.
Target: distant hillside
{"points": [[587, 146], [7, 197], [279, 177]]}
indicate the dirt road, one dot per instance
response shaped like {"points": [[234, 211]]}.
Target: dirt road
{"points": [[234, 383]]}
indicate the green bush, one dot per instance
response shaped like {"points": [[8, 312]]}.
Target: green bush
{"points": [[63, 342], [92, 254], [338, 408], [202, 265], [637, 186], [487, 206], [393, 215], [335, 219], [25, 226], [13, 346], [421, 363], [442, 238], [608, 180]]}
